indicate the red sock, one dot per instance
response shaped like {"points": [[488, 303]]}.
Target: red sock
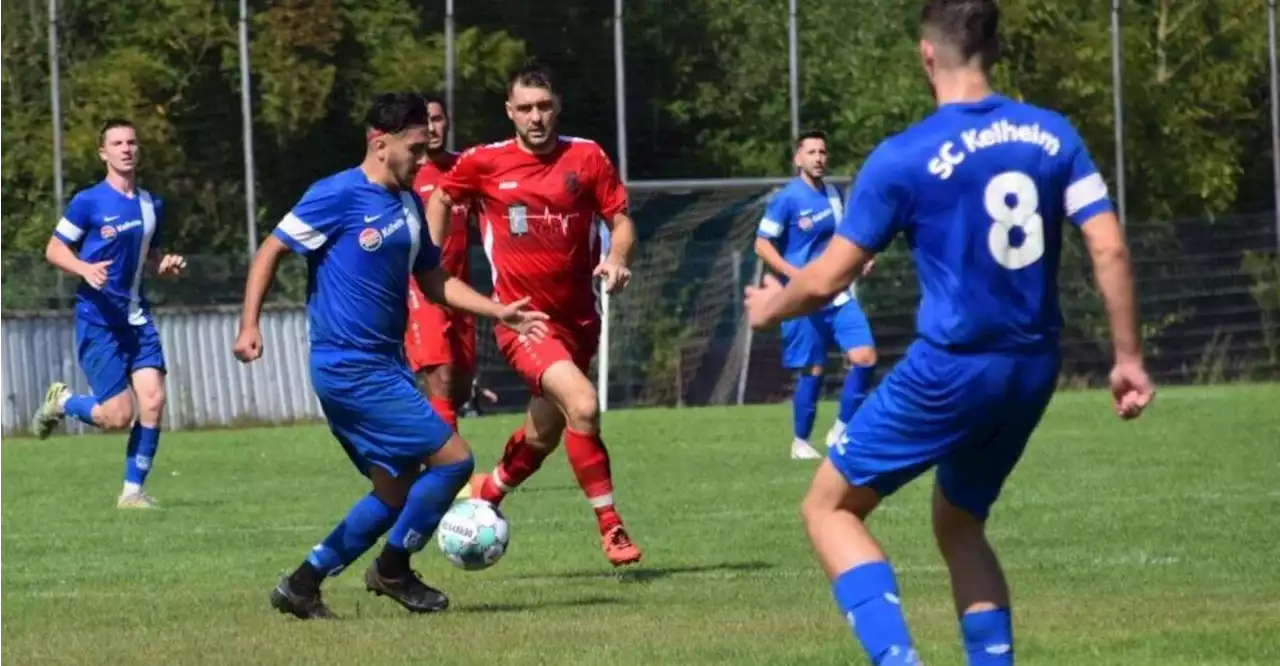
{"points": [[519, 462], [590, 462], [444, 407]]}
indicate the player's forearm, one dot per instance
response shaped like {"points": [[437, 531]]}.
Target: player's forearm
{"points": [[802, 295], [438, 208], [622, 240], [62, 256], [444, 289], [262, 273], [1114, 273], [773, 259]]}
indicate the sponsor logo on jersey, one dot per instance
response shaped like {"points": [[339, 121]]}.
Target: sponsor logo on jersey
{"points": [[370, 239]]}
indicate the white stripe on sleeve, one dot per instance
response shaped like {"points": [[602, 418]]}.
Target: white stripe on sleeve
{"points": [[770, 228], [1083, 192], [69, 230], [302, 232]]}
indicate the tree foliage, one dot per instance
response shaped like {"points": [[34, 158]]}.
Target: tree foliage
{"points": [[706, 81]]}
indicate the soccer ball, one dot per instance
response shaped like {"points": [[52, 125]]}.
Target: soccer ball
{"points": [[473, 534]]}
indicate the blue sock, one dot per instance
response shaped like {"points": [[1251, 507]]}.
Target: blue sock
{"points": [[854, 392], [988, 637], [805, 404], [868, 597], [429, 497], [366, 521], [143, 443], [81, 408]]}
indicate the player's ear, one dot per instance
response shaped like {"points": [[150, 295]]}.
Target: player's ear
{"points": [[511, 112], [927, 57]]}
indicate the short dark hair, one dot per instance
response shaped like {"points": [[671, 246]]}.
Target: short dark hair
{"points": [[432, 98], [969, 27], [810, 134], [534, 74], [395, 112], [111, 124]]}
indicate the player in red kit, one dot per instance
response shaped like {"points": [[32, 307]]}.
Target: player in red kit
{"points": [[439, 344], [539, 196]]}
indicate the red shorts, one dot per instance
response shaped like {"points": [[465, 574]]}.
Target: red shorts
{"points": [[436, 336], [530, 359]]}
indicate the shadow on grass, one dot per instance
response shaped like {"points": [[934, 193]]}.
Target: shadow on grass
{"points": [[647, 575], [517, 608]]}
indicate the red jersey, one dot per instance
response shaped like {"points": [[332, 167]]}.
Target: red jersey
{"points": [[453, 253], [538, 220]]}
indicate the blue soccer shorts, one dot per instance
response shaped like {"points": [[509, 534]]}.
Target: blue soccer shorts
{"points": [[109, 355], [971, 415], [375, 409], [806, 340]]}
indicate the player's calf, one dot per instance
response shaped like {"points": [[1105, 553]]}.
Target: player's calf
{"points": [[588, 456], [425, 504], [144, 438], [804, 410], [526, 448], [862, 581], [857, 384], [977, 583]]}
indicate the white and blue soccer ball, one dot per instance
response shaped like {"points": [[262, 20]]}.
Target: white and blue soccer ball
{"points": [[473, 534]]}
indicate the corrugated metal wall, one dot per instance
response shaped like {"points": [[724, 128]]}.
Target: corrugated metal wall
{"points": [[207, 386]]}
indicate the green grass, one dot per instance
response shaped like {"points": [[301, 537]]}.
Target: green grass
{"points": [[1151, 542]]}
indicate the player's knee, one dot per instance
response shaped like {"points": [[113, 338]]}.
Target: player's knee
{"points": [[955, 528], [582, 409], [151, 401], [116, 412], [862, 356]]}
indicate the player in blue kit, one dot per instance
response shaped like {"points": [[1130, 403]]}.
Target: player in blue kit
{"points": [[801, 220], [362, 233], [110, 237], [981, 190]]}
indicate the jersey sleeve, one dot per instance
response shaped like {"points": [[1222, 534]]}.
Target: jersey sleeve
{"points": [[314, 220], [76, 221], [876, 210], [610, 193], [1086, 192], [777, 215], [462, 182], [428, 254]]}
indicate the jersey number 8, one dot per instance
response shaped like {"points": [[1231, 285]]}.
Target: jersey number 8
{"points": [[1013, 202]]}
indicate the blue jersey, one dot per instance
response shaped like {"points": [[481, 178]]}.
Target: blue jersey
{"points": [[362, 242], [980, 190], [801, 220], [107, 225]]}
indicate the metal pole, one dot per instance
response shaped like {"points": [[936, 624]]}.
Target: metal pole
{"points": [[793, 60], [620, 91], [450, 65], [246, 121], [1117, 96], [756, 275], [620, 106], [1275, 110], [55, 100]]}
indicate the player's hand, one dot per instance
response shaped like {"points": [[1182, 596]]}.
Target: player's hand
{"points": [[758, 298], [616, 277], [1131, 389], [525, 322], [95, 274], [172, 265], [249, 345]]}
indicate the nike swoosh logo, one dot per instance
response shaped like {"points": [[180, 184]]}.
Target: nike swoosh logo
{"points": [[109, 218], [371, 218]]}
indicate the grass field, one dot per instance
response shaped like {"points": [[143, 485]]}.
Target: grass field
{"points": [[1153, 542]]}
